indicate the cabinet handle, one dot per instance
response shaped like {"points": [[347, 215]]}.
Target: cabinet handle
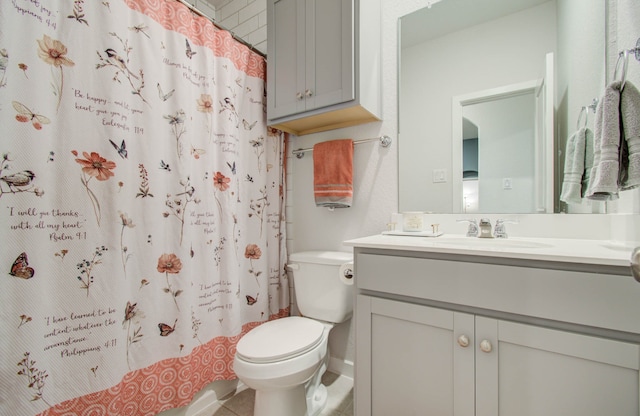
{"points": [[463, 341], [485, 346], [299, 96], [308, 93]]}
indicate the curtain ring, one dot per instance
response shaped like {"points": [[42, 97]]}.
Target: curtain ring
{"points": [[585, 113], [624, 57]]}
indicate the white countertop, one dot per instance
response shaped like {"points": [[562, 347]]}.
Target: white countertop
{"points": [[597, 252]]}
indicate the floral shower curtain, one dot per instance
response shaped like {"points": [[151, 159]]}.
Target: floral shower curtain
{"points": [[141, 204]]}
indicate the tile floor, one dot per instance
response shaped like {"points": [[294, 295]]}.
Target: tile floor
{"points": [[339, 402]]}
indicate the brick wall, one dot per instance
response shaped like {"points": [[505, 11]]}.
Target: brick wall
{"points": [[247, 19]]}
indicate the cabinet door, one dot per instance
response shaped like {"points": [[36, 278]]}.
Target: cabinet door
{"points": [[537, 371], [409, 361], [330, 53], [286, 57]]}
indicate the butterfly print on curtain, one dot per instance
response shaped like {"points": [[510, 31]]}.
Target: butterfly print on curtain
{"points": [[20, 267]]}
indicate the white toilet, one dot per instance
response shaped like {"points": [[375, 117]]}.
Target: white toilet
{"points": [[283, 360]]}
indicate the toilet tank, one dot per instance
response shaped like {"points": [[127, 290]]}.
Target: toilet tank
{"points": [[321, 292]]}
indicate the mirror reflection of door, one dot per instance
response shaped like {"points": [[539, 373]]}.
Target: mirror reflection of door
{"points": [[469, 166], [503, 150]]}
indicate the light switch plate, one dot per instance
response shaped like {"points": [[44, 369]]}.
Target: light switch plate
{"points": [[439, 175]]}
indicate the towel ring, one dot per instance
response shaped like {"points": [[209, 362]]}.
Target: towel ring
{"points": [[624, 58], [585, 113]]}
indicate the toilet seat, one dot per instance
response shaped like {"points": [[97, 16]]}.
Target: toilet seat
{"points": [[280, 339]]}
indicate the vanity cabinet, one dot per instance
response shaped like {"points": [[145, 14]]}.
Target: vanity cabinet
{"points": [[430, 361], [323, 65], [448, 335]]}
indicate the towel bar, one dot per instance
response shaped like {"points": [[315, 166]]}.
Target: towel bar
{"points": [[385, 141]]}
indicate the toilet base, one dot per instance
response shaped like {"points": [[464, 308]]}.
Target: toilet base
{"points": [[316, 403], [316, 392], [290, 402]]}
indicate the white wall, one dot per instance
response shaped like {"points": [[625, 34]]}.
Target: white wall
{"points": [[205, 7]]}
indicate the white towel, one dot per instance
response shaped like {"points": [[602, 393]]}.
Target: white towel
{"points": [[603, 184], [588, 162], [630, 154], [577, 165]]}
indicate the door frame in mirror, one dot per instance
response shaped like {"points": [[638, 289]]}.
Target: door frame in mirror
{"points": [[544, 178]]}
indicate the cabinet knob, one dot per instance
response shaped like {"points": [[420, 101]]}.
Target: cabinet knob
{"points": [[485, 346], [300, 96], [463, 341], [308, 93]]}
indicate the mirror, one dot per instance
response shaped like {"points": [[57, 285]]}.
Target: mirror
{"points": [[458, 56]]}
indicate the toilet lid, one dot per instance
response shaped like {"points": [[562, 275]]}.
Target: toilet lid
{"points": [[279, 339]]}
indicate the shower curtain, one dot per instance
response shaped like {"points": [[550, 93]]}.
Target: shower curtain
{"points": [[141, 199]]}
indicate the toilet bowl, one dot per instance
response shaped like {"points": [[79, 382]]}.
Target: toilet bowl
{"points": [[278, 360], [284, 360]]}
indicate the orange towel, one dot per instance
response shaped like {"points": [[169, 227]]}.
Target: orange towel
{"points": [[333, 173]]}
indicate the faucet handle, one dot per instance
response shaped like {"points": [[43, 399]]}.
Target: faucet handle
{"points": [[500, 230], [472, 231]]}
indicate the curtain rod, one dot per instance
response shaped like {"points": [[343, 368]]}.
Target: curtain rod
{"points": [[219, 26], [385, 141]]}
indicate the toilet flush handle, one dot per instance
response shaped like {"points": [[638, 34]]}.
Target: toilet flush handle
{"points": [[293, 266]]}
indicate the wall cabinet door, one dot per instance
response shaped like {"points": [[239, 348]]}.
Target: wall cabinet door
{"points": [[311, 55], [329, 62], [419, 360], [286, 57]]}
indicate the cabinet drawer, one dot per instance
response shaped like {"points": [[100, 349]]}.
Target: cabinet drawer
{"points": [[598, 300]]}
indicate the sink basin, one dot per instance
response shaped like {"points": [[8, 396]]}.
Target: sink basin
{"points": [[628, 247], [495, 243]]}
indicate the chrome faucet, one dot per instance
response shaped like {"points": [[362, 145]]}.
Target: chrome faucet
{"points": [[485, 228], [472, 231], [500, 230]]}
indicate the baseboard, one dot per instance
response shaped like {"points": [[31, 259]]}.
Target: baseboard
{"points": [[341, 366]]}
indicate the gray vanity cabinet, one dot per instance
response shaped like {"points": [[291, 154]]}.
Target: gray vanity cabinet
{"points": [[422, 350], [315, 50]]}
